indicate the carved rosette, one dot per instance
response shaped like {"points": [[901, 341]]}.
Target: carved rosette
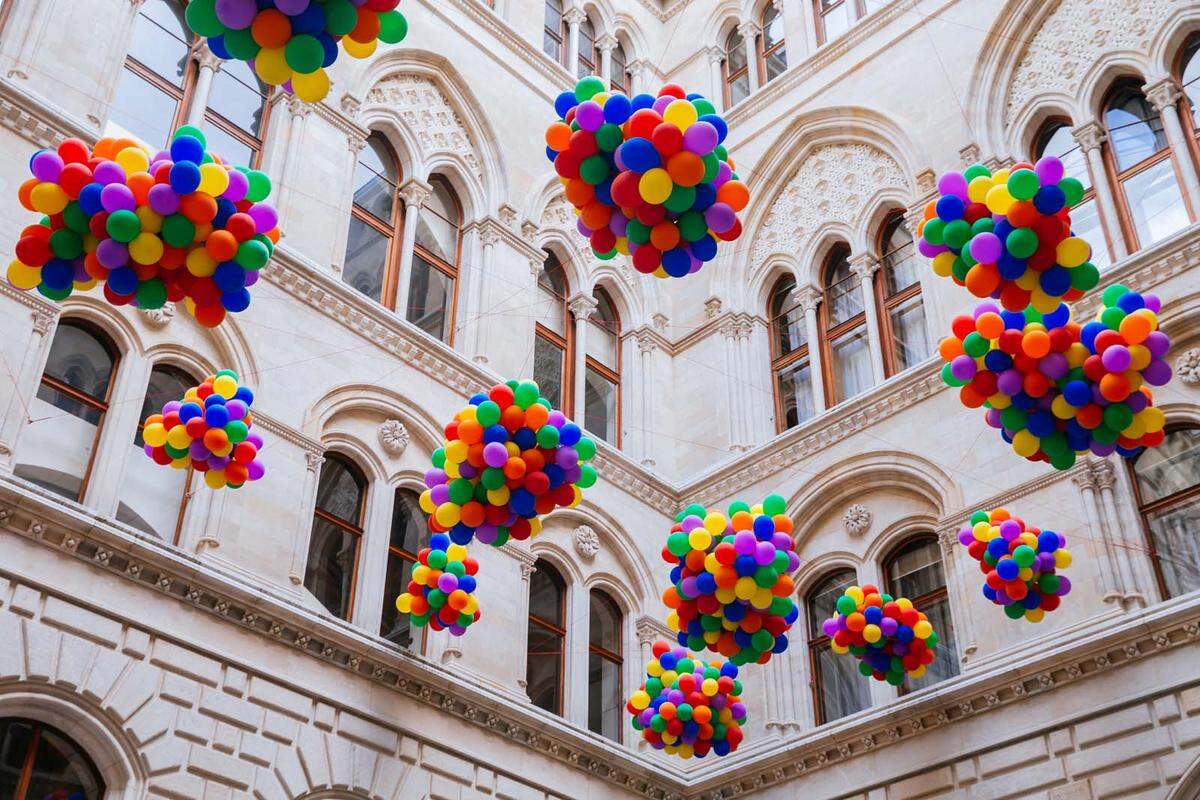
{"points": [[586, 541], [393, 437], [1187, 366], [159, 317], [856, 519]]}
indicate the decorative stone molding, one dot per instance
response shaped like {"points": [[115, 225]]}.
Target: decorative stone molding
{"points": [[807, 297], [508, 216], [205, 57], [415, 192], [926, 181], [1163, 94], [313, 460], [574, 15], [1187, 366], [298, 108], [429, 115], [582, 306], [659, 321], [864, 265], [393, 437], [856, 519], [648, 630], [646, 340], [43, 320], [350, 105], [969, 154], [606, 43], [712, 307], [1090, 136], [159, 317], [586, 541]]}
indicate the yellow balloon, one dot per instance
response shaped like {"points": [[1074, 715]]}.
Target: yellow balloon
{"points": [[762, 598], [943, 264], [726, 596], [715, 523], [699, 539], [1035, 614], [978, 188], [404, 603], [1139, 356], [23, 276], [311, 88], [271, 65], [1000, 401], [1073, 251], [655, 186], [448, 515], [155, 434], [999, 201], [48, 198], [1025, 443], [456, 552], [182, 463], [856, 594], [456, 451], [499, 497], [709, 687], [921, 630], [681, 113], [904, 603], [919, 672], [711, 637], [1076, 354], [214, 179], [1061, 409], [215, 478], [1029, 280], [225, 386], [872, 633], [982, 531], [133, 159], [745, 587], [178, 437], [152, 222], [639, 700], [1153, 418], [146, 248], [200, 263], [1062, 558], [358, 49]]}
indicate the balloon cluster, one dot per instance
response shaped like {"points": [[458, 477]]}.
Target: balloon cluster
{"points": [[1008, 235], [291, 43], [1019, 563], [889, 637], [732, 588], [508, 458], [209, 431], [441, 592], [1044, 380], [688, 707], [181, 226], [648, 176]]}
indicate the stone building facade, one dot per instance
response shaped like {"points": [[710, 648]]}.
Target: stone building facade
{"points": [[185, 644]]}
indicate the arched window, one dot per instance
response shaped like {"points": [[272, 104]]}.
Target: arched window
{"points": [[736, 68], [844, 324], [602, 384], [1140, 163], [914, 570], [410, 534], [153, 497], [902, 314], [1055, 139], [435, 262], [159, 75], [835, 17], [605, 700], [618, 75], [789, 356], [1167, 482], [336, 536], [57, 450], [547, 638], [37, 761], [552, 30], [837, 687], [552, 333], [236, 118], [1189, 78], [373, 244], [773, 55], [589, 57]]}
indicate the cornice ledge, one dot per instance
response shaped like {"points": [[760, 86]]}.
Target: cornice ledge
{"points": [[486, 18], [287, 433], [35, 118]]}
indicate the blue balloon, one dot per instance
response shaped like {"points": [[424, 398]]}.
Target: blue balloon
{"points": [[643, 100], [461, 534], [122, 280], [1009, 266], [551, 153], [229, 276], [618, 109], [1041, 423], [997, 548], [1008, 569], [705, 248], [603, 191], [950, 208], [568, 435], [245, 394], [706, 195], [185, 175], [495, 433], [330, 47], [477, 398], [1049, 200], [526, 439], [741, 638], [1013, 320], [764, 528], [89, 199], [1130, 302], [189, 411], [1055, 281], [187, 148], [706, 583], [1031, 600], [225, 210], [236, 301], [677, 262], [59, 274], [213, 399], [997, 360], [467, 583], [1077, 393], [439, 541], [745, 565], [640, 155], [216, 416], [989, 593], [564, 103], [310, 21], [873, 614], [217, 45], [1047, 541], [781, 644], [1058, 317], [1089, 332]]}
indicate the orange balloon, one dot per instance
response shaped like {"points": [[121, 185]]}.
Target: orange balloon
{"points": [[990, 325], [470, 431], [106, 148], [215, 438], [512, 417], [950, 348], [596, 215], [536, 416], [579, 193], [783, 523], [25, 193], [1035, 343], [1114, 387], [221, 245], [734, 194], [198, 207], [1022, 214], [664, 236], [1136, 327], [982, 280], [686, 168], [695, 560], [472, 514], [140, 183], [742, 521], [856, 622], [271, 29], [971, 398], [1036, 384], [514, 468], [558, 136]]}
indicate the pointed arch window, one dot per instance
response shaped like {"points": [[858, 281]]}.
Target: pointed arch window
{"points": [[1141, 166], [410, 534], [159, 77], [902, 314], [553, 333], [605, 698], [914, 570], [1188, 75], [789, 356], [619, 78], [372, 256], [1167, 484], [774, 53], [589, 55], [835, 17], [553, 33], [736, 68], [38, 761], [838, 689], [333, 547], [1054, 138], [602, 384], [844, 329], [546, 643], [58, 448], [431, 290]]}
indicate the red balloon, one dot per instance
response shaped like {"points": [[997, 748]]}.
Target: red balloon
{"points": [[667, 139]]}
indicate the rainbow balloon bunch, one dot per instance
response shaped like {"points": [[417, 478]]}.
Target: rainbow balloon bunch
{"points": [[732, 588], [508, 458], [688, 707], [291, 43], [1019, 563], [889, 637], [441, 592], [209, 431], [1008, 235], [181, 226], [648, 176]]}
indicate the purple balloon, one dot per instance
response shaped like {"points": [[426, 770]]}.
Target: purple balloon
{"points": [[252, 278], [724, 174], [618, 223], [829, 627], [112, 254], [1157, 372], [720, 217], [255, 470], [46, 165], [690, 523], [495, 455], [701, 138], [148, 450], [660, 105], [117, 197], [107, 172], [447, 582], [571, 474], [239, 184], [793, 562], [264, 216], [1158, 343], [439, 494], [1009, 382], [237, 409], [81, 273], [1064, 585], [781, 541], [255, 440], [688, 588], [764, 553], [434, 477], [584, 230], [953, 183], [1116, 358], [986, 248], [1054, 365], [992, 417], [1103, 450], [566, 457], [468, 471], [171, 405], [931, 250], [198, 451], [744, 543], [963, 368], [1153, 302], [237, 14], [486, 533], [218, 462], [1049, 170], [292, 7], [163, 199], [556, 418], [589, 115], [1137, 402], [965, 537], [889, 626], [985, 308]]}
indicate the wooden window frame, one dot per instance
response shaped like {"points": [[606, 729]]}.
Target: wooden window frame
{"points": [[392, 230], [1117, 177], [817, 644], [564, 341], [558, 630], [731, 77], [888, 303], [346, 526], [559, 36], [404, 555], [783, 361], [1190, 128], [1041, 138], [592, 64], [97, 404], [1162, 504], [761, 50], [35, 742], [830, 335], [617, 657], [610, 374], [441, 265], [929, 598], [820, 9], [191, 472], [255, 143], [626, 78]]}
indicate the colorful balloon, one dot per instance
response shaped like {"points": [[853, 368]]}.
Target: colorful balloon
{"points": [[1019, 563], [890, 638], [441, 591]]}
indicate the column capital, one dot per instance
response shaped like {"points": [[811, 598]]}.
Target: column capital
{"points": [[415, 192], [313, 460], [715, 54], [1090, 135], [1103, 474], [298, 108], [947, 538], [355, 143], [749, 29], [205, 57], [43, 320], [808, 297], [1163, 94], [729, 329], [574, 15], [607, 43], [490, 231], [646, 341], [648, 629], [582, 306], [864, 265]]}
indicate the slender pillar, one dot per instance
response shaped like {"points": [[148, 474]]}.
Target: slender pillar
{"points": [[113, 446], [639, 69], [716, 56], [489, 237], [1091, 138], [745, 328], [414, 193], [574, 18], [208, 65], [962, 601], [865, 266], [809, 297], [308, 498], [1164, 96], [298, 112], [729, 330], [582, 306], [1110, 588], [646, 347], [527, 561], [29, 374], [606, 44], [750, 30], [1105, 478]]}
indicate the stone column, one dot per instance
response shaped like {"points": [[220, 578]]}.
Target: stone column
{"points": [[303, 532], [29, 375], [646, 347], [639, 69], [355, 144], [729, 330], [298, 112], [1164, 96], [1110, 588], [1104, 476], [489, 237], [961, 593], [208, 65], [1091, 137], [414, 193], [527, 561], [114, 443], [745, 378], [574, 18], [780, 686], [865, 266], [716, 57], [749, 29], [606, 44], [575, 659], [809, 297], [581, 305]]}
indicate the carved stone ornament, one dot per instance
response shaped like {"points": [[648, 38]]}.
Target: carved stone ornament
{"points": [[857, 519], [393, 436], [1187, 366], [586, 541], [160, 317]]}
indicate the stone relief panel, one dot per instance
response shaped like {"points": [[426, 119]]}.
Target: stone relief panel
{"points": [[429, 115], [843, 176], [1075, 36], [1187, 366], [558, 214]]}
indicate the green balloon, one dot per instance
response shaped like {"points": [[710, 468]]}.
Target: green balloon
{"points": [[547, 436], [609, 256], [636, 232], [960, 268], [237, 431], [703, 106], [609, 137], [54, 294], [1085, 277], [304, 53], [895, 678], [436, 598], [193, 131], [487, 413], [949, 379], [1112, 317], [721, 152], [437, 559], [175, 452], [587, 476], [252, 256], [680, 199], [1013, 418], [439, 458], [975, 345], [734, 507], [976, 170], [1014, 611], [153, 294], [695, 510], [934, 231], [765, 577], [461, 491], [774, 505], [393, 27], [957, 234], [501, 537], [1118, 416], [586, 449], [1022, 243], [762, 640], [260, 186], [75, 219], [526, 394], [241, 44], [846, 605], [1024, 555], [781, 606], [983, 225], [978, 517], [267, 243], [178, 230], [594, 170], [864, 669], [66, 244], [712, 165], [1049, 583], [492, 478], [419, 620], [201, 17], [124, 226], [692, 226], [1105, 435], [589, 87], [1114, 293], [710, 624], [966, 258], [1023, 184], [653, 686], [1072, 189], [341, 17]]}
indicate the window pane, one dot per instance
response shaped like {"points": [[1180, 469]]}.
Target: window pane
{"points": [[340, 491], [772, 26], [843, 291], [160, 39], [142, 110], [548, 369], [739, 89], [842, 689], [166, 384], [553, 14], [238, 96], [15, 739], [775, 63], [852, 373], [605, 623], [56, 447], [901, 267], [735, 53], [546, 594], [1176, 535], [945, 657], [410, 532], [226, 145], [603, 344], [429, 295], [80, 360], [60, 765], [796, 393], [375, 180], [836, 20], [332, 556], [600, 411], [916, 570], [152, 495], [1155, 203], [787, 319], [551, 46], [395, 626], [822, 599], [366, 259], [910, 338], [604, 697], [1134, 128], [543, 668], [1190, 78], [1085, 223], [437, 225], [1170, 468]]}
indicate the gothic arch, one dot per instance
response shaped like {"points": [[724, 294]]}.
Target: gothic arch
{"points": [[720, 21], [640, 578], [897, 533], [376, 399], [617, 283], [817, 568], [1184, 22], [764, 278]]}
